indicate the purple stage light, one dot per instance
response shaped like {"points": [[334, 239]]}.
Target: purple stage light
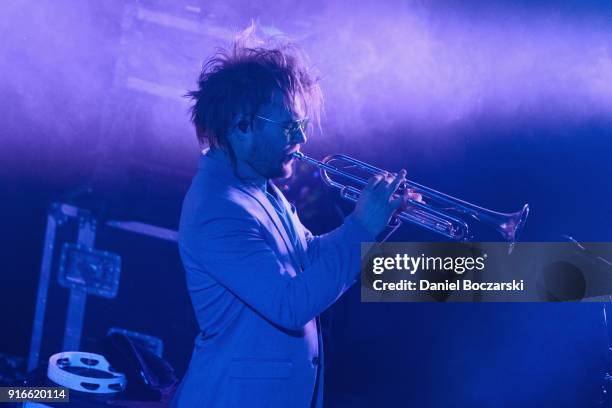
{"points": [[83, 80]]}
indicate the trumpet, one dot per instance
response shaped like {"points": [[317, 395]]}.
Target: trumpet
{"points": [[437, 212]]}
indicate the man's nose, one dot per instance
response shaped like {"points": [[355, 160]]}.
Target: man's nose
{"points": [[298, 137]]}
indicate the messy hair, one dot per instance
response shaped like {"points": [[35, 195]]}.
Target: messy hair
{"points": [[242, 78]]}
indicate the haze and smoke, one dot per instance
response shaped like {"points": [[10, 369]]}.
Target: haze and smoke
{"points": [[83, 80]]}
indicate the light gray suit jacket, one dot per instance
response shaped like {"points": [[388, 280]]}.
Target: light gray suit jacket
{"points": [[256, 295]]}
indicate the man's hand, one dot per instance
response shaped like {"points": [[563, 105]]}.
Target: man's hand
{"points": [[377, 202]]}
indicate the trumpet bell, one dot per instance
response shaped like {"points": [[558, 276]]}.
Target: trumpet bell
{"points": [[510, 225]]}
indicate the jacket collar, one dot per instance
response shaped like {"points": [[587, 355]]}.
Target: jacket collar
{"points": [[217, 163], [297, 225]]}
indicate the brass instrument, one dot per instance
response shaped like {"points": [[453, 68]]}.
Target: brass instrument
{"points": [[438, 212]]}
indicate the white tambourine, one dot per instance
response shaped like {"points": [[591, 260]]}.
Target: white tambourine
{"points": [[112, 382]]}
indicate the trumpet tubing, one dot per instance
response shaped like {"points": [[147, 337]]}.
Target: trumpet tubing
{"points": [[437, 212]]}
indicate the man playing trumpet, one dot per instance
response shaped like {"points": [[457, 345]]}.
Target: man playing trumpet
{"points": [[257, 277]]}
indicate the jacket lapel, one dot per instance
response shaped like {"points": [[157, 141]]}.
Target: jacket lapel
{"points": [[296, 224], [223, 169], [263, 201]]}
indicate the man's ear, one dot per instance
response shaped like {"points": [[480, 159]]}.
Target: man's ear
{"points": [[240, 136]]}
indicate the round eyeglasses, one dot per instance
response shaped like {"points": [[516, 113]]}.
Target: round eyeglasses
{"points": [[293, 130]]}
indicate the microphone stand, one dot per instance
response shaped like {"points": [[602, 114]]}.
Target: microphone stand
{"points": [[605, 398]]}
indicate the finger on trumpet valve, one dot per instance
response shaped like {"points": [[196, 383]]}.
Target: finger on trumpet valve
{"points": [[413, 195]]}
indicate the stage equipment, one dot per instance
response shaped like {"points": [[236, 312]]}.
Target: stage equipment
{"points": [[154, 344], [437, 212], [84, 271], [96, 272], [95, 375], [72, 275], [596, 262]]}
